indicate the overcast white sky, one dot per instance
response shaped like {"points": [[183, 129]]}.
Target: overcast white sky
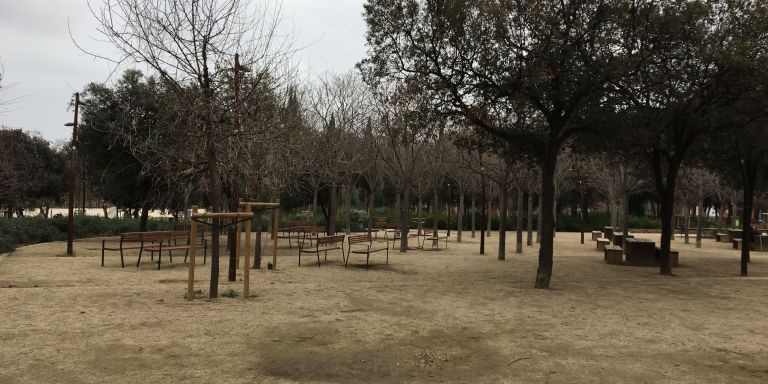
{"points": [[46, 68]]}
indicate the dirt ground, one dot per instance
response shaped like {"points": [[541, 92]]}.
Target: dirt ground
{"points": [[449, 316]]}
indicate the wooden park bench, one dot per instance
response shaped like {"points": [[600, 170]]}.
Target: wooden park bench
{"points": [[412, 233], [152, 242], [292, 233], [435, 237], [614, 254], [391, 229], [169, 241], [602, 243], [324, 244], [363, 240], [310, 234], [128, 241]]}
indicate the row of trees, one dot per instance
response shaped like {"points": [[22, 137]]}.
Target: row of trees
{"points": [[636, 81], [514, 85], [32, 172]]}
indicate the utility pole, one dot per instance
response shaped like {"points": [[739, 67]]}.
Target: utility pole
{"points": [[72, 149]]}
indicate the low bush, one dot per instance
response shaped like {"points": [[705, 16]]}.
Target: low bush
{"points": [[32, 230]]}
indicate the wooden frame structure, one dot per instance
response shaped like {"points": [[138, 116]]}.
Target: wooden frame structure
{"points": [[253, 205], [248, 217]]}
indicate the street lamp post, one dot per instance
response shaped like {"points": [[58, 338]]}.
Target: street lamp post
{"points": [[73, 146]]}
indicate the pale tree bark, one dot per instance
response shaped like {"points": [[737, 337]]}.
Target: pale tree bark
{"points": [[460, 219], [519, 226]]}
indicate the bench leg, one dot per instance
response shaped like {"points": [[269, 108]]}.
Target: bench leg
{"points": [[387, 255], [318, 258], [160, 254], [299, 257], [141, 250], [102, 253], [367, 257]]}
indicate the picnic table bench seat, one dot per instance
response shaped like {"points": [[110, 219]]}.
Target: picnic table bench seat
{"points": [[614, 254], [363, 240], [722, 237], [602, 243], [674, 257]]}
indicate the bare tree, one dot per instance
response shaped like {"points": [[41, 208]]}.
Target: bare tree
{"points": [[698, 184], [407, 127], [340, 105]]}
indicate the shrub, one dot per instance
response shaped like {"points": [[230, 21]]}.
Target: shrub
{"points": [[32, 230]]}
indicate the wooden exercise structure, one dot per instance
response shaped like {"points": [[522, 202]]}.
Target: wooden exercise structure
{"points": [[237, 216], [250, 207]]}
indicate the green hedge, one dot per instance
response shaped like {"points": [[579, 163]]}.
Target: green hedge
{"points": [[32, 230]]}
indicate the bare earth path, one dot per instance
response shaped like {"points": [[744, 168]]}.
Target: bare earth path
{"points": [[450, 316]]}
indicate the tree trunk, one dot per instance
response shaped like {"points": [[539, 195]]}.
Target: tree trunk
{"points": [[419, 219], [529, 239], [749, 177], [397, 207], [489, 218], [699, 213], [554, 215], [519, 247], [144, 218], [503, 199], [538, 221], [315, 191], [370, 209], [473, 215], [686, 221], [435, 214], [625, 221], [348, 208], [333, 203], [404, 219], [460, 219], [546, 216]]}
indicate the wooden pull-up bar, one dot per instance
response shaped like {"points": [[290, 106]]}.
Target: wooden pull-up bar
{"points": [[275, 220], [248, 216]]}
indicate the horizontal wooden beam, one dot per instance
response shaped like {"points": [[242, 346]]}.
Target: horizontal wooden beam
{"points": [[256, 204], [220, 215]]}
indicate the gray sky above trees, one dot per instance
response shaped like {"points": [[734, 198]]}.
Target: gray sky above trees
{"points": [[46, 68]]}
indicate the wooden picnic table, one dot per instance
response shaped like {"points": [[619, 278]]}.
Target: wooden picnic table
{"points": [[618, 238]]}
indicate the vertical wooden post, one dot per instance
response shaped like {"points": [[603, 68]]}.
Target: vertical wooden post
{"points": [[192, 251], [238, 230], [247, 259], [275, 220]]}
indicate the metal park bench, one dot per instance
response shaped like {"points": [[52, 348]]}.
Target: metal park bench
{"points": [[152, 242], [363, 240], [323, 244]]}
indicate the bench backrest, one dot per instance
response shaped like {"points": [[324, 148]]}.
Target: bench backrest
{"points": [[153, 236], [355, 239], [329, 240], [313, 230], [130, 237]]}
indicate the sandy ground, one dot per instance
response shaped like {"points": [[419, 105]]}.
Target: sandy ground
{"points": [[449, 316]]}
